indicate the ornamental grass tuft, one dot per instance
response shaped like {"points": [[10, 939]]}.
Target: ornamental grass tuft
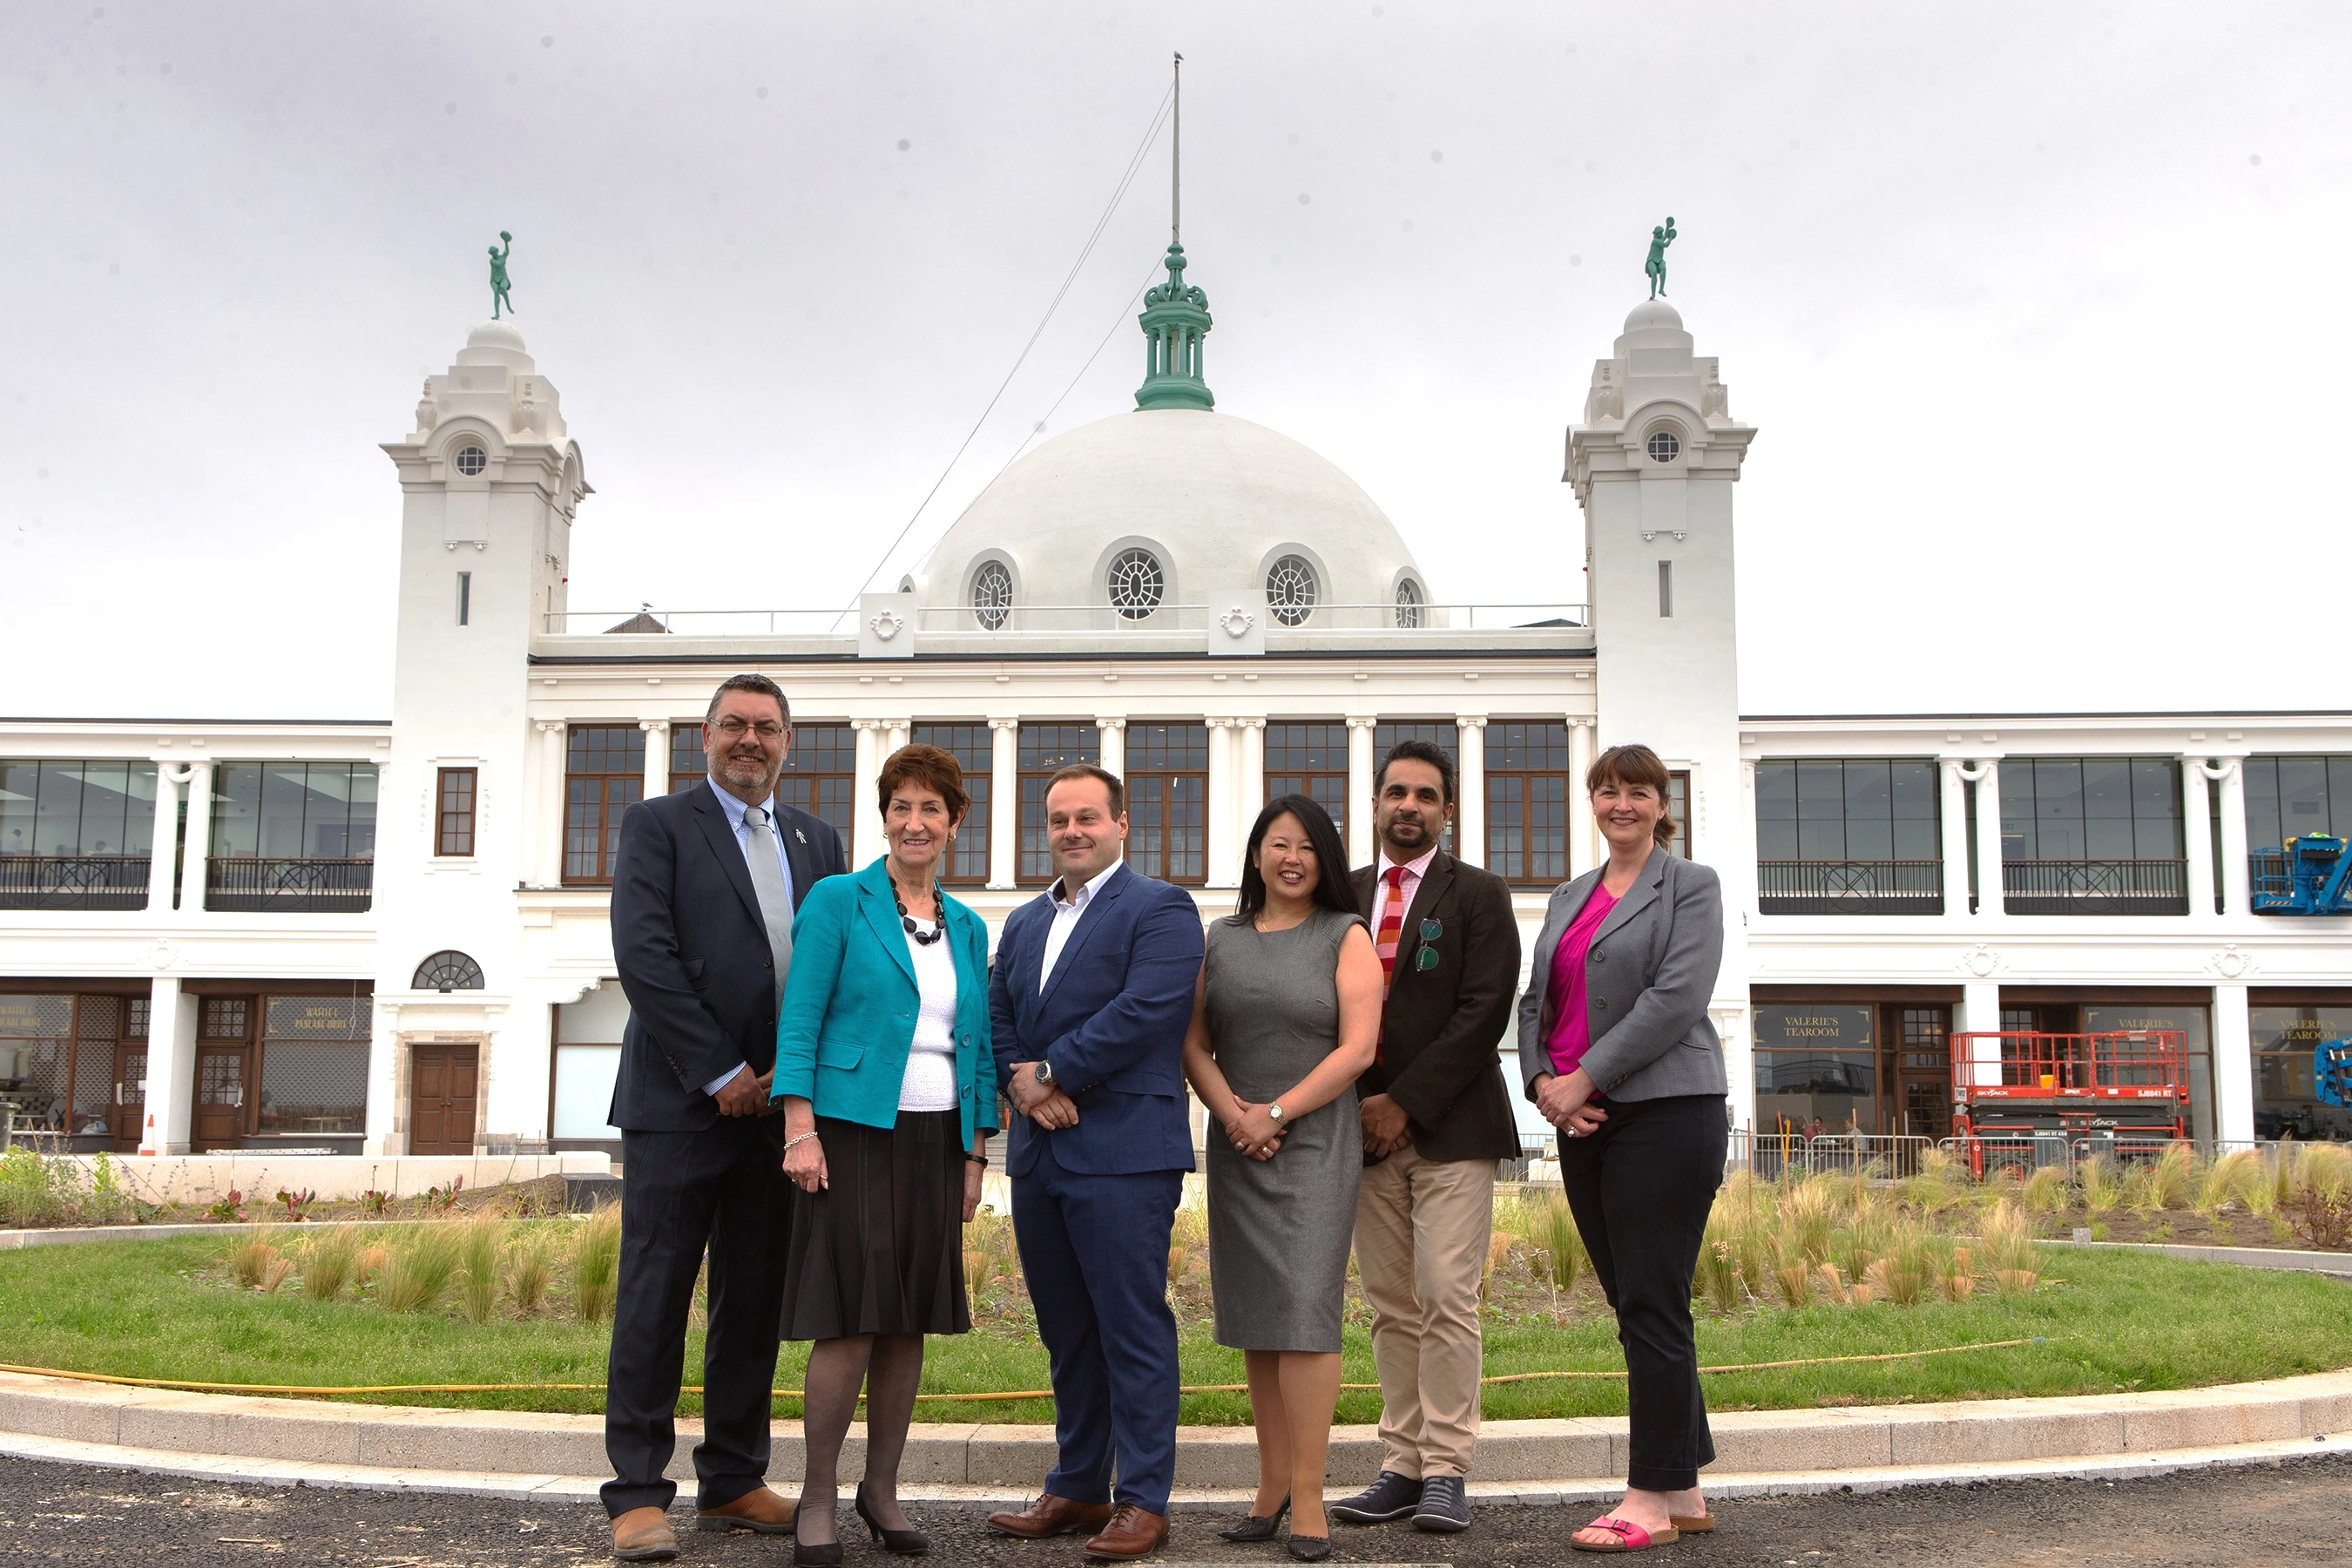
{"points": [[2233, 1179], [1552, 1229], [2102, 1188], [423, 1265], [481, 1249], [597, 1265], [2172, 1179], [328, 1262], [529, 1277], [249, 1258]]}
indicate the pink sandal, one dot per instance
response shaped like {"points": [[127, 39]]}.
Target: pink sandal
{"points": [[1631, 1537]]}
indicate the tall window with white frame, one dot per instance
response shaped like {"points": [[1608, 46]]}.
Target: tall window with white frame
{"points": [[605, 774], [1168, 801], [1528, 793], [453, 813], [1851, 835], [1310, 759], [970, 745], [1045, 750]]}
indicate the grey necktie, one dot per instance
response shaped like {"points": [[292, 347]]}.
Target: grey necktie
{"points": [[767, 881]]}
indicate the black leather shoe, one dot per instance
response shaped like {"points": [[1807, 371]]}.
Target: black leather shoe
{"points": [[899, 1542], [1310, 1548], [1444, 1507], [828, 1555], [1392, 1496], [1257, 1527]]}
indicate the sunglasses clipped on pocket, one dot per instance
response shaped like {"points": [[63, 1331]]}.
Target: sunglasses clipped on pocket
{"points": [[1429, 932]]}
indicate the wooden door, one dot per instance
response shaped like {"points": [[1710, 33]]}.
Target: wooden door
{"points": [[442, 1084], [223, 1087], [130, 1095]]}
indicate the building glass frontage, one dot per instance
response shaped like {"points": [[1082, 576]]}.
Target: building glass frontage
{"points": [[1848, 836], [2092, 836], [2285, 1037], [1854, 1062], [75, 835], [2288, 797]]}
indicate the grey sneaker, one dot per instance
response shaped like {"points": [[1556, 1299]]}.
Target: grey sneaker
{"points": [[1392, 1496], [1444, 1507]]}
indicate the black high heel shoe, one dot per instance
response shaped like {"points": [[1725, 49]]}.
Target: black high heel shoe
{"points": [[901, 1542], [1257, 1527], [806, 1556], [1310, 1548]]}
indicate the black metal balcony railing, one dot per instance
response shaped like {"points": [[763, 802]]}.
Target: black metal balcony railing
{"points": [[1850, 887], [2094, 886], [73, 881], [279, 886]]}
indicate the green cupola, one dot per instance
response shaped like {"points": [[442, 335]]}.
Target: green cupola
{"points": [[1175, 319]]}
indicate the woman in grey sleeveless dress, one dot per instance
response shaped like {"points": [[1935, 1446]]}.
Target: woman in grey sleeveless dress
{"points": [[1287, 1016]]}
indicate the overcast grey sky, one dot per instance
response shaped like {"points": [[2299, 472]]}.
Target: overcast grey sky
{"points": [[2039, 308]]}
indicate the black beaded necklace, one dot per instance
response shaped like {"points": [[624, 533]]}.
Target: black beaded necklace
{"points": [[939, 928]]}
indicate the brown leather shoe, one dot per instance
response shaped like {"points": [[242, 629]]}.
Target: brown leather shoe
{"points": [[1131, 1534], [1050, 1515], [763, 1509], [643, 1535]]}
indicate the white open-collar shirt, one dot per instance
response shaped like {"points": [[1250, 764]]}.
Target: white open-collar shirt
{"points": [[1067, 908]]}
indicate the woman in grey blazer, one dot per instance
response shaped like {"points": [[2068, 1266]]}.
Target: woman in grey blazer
{"points": [[1616, 1050]]}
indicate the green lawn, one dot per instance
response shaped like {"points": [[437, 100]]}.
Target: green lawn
{"points": [[2111, 1322]]}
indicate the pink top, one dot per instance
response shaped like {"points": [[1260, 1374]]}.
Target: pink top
{"points": [[1571, 1031]]}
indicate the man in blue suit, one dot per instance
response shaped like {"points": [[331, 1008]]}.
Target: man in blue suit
{"points": [[703, 895], [1089, 1000]]}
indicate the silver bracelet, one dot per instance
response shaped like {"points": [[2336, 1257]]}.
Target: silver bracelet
{"points": [[801, 1138]]}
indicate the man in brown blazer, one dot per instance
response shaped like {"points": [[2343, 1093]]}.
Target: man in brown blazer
{"points": [[1436, 1118]]}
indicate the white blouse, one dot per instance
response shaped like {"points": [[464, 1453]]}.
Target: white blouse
{"points": [[930, 1081]]}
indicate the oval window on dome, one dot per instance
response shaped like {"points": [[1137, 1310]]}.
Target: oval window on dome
{"points": [[1408, 605], [1135, 583], [1291, 590], [472, 460], [991, 594]]}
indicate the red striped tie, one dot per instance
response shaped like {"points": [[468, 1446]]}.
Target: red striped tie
{"points": [[1391, 928]]}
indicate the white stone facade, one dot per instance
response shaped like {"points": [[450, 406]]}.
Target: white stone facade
{"points": [[496, 677]]}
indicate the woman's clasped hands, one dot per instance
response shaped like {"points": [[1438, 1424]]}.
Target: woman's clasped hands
{"points": [[1565, 1100], [1253, 1131]]}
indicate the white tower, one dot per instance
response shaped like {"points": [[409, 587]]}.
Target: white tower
{"points": [[489, 483], [1654, 464]]}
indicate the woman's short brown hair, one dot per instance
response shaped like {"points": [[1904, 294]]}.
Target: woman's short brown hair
{"points": [[1635, 765], [927, 767]]}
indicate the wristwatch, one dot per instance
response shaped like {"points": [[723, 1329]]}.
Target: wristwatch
{"points": [[1275, 1112], [1044, 1073]]}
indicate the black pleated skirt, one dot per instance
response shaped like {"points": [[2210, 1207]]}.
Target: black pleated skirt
{"points": [[879, 1250]]}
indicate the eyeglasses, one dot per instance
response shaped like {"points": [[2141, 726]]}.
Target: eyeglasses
{"points": [[734, 728]]}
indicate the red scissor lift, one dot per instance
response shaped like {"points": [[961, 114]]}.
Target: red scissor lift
{"points": [[2124, 1092]]}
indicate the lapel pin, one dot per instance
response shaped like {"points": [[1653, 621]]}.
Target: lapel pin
{"points": [[799, 834]]}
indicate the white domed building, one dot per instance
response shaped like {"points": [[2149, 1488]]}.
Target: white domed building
{"points": [[390, 937]]}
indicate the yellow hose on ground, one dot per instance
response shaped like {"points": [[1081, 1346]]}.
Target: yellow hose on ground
{"points": [[1016, 1394]]}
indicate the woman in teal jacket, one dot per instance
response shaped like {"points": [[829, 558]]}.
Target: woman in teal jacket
{"points": [[888, 1091]]}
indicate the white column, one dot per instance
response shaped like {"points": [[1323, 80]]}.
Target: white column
{"points": [[196, 844], [894, 735], [656, 756], [383, 1082], [1225, 831], [1360, 791], [163, 853], [1734, 1025], [2197, 834], [867, 833], [1004, 801], [1989, 884], [2237, 877], [1470, 786], [1955, 802], [550, 827], [171, 1068], [1583, 851], [1252, 789], [1981, 1010], [2233, 1063], [1113, 745]]}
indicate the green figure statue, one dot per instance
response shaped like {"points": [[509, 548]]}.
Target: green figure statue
{"points": [[1656, 266], [498, 275]]}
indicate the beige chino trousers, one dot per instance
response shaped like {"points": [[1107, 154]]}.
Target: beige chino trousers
{"points": [[1421, 1235]]}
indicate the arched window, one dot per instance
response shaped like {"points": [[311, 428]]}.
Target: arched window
{"points": [[1135, 583], [1291, 590], [991, 594], [1408, 604], [472, 460], [445, 971]]}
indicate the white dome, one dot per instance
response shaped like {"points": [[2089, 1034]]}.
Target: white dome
{"points": [[1218, 501]]}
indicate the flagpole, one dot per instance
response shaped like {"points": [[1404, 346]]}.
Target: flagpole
{"points": [[1176, 164]]}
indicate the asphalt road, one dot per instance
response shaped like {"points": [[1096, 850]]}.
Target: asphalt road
{"points": [[2299, 1513]]}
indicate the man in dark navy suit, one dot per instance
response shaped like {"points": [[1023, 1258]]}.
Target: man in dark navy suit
{"points": [[1088, 1002], [703, 894]]}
